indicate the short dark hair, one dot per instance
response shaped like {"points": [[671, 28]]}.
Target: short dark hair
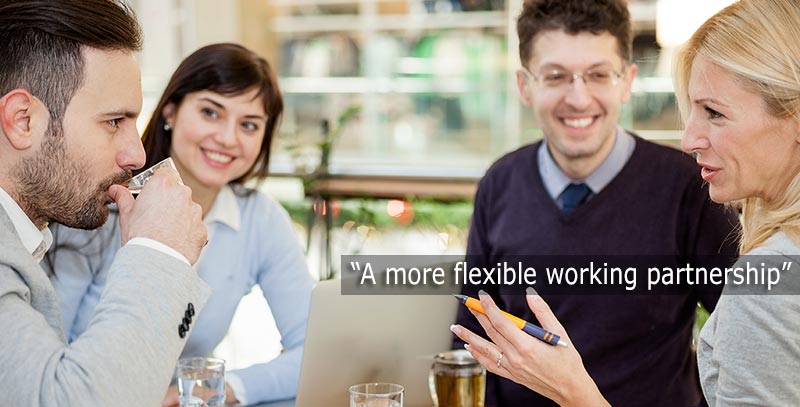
{"points": [[41, 40], [227, 69], [574, 17]]}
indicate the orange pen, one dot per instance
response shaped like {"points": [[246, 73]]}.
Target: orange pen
{"points": [[531, 329]]}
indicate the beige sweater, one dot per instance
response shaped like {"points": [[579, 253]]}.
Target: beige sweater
{"points": [[127, 354]]}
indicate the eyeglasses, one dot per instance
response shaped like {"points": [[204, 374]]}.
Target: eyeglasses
{"points": [[597, 79]]}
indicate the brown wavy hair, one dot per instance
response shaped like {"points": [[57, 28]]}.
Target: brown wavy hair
{"points": [[574, 17]]}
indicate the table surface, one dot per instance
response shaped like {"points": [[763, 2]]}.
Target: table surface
{"points": [[282, 403]]}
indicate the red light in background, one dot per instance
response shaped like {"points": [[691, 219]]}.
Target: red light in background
{"points": [[400, 210]]}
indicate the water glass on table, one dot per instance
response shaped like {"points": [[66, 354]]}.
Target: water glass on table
{"points": [[376, 395], [201, 382]]}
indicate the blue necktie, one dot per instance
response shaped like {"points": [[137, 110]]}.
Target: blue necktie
{"points": [[573, 196]]}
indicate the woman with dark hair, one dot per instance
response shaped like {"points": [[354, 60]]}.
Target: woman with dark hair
{"points": [[216, 119]]}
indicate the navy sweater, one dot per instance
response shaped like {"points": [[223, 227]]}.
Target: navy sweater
{"points": [[637, 348]]}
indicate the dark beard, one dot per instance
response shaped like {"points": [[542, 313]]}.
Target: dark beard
{"points": [[52, 186]]}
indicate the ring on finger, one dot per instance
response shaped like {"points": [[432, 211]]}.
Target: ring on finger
{"points": [[499, 360]]}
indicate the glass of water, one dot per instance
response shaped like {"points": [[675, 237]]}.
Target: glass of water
{"points": [[201, 382], [136, 183], [376, 395]]}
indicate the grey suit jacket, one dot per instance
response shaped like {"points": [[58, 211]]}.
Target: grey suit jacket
{"points": [[126, 356]]}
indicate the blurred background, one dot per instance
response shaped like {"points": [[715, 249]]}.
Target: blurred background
{"points": [[394, 108]]}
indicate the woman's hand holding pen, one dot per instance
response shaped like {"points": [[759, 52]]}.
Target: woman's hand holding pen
{"points": [[553, 371]]}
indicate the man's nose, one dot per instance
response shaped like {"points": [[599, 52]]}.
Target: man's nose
{"points": [[131, 155], [578, 94]]}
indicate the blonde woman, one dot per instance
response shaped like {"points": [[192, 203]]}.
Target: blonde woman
{"points": [[738, 86]]}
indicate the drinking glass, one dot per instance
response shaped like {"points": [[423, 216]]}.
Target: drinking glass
{"points": [[376, 395], [136, 183], [201, 382]]}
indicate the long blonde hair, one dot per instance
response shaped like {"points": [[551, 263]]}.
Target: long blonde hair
{"points": [[758, 41]]}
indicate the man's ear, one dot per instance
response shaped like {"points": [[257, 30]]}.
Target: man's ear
{"points": [[627, 81], [16, 118], [523, 85]]}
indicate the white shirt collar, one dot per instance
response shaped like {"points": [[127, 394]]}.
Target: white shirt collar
{"points": [[225, 209], [35, 241]]}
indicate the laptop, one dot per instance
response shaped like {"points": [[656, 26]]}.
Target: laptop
{"points": [[355, 339]]}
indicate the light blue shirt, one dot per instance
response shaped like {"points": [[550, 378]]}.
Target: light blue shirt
{"points": [[254, 245], [555, 180]]}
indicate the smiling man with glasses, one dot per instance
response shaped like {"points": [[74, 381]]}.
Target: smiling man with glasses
{"points": [[592, 188]]}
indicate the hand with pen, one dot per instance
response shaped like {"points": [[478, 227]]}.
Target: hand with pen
{"points": [[556, 372]]}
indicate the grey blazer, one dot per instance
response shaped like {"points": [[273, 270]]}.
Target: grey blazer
{"points": [[126, 356]]}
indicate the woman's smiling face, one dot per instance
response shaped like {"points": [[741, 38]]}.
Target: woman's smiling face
{"points": [[216, 138]]}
